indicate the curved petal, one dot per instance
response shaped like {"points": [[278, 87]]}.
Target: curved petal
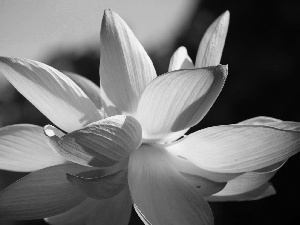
{"points": [[180, 60], [161, 194], [125, 67], [53, 93], [263, 191], [89, 88], [23, 148], [100, 187], [112, 211], [212, 44], [185, 166], [260, 120], [100, 144], [249, 181], [179, 100], [237, 148], [43, 193], [75, 216]]}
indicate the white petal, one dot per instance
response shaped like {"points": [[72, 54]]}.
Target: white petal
{"points": [[263, 191], [43, 193], [23, 148], [237, 148], [212, 44], [185, 166], [89, 88], [125, 67], [260, 120], [75, 216], [100, 187], [179, 100], [112, 211], [100, 144], [161, 194], [180, 60], [53, 93], [249, 181]]}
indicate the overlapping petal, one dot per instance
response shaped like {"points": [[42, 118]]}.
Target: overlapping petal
{"points": [[237, 148], [212, 44], [23, 148], [125, 67], [249, 181], [75, 216], [112, 211], [183, 165], [100, 144], [263, 191], [53, 93], [43, 193], [89, 88], [180, 60], [100, 187], [161, 194], [179, 100]]}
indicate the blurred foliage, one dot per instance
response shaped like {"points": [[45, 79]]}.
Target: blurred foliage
{"points": [[262, 51]]}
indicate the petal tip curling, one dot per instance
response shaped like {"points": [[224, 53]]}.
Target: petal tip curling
{"points": [[222, 70]]}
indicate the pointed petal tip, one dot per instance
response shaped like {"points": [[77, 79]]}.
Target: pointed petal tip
{"points": [[226, 15]]}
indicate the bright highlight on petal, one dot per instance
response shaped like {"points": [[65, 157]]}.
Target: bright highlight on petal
{"points": [[180, 60], [179, 100], [23, 148], [100, 144], [53, 93], [125, 67], [161, 194], [237, 148], [101, 187], [212, 44], [43, 193]]}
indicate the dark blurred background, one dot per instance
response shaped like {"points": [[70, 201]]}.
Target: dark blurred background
{"points": [[261, 49]]}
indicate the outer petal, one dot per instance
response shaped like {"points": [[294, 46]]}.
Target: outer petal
{"points": [[212, 44], [100, 144], [100, 187], [180, 60], [23, 148], [249, 181], [42, 193], [161, 194], [89, 88], [237, 148], [53, 93], [179, 100], [113, 211], [263, 191], [272, 122], [185, 166], [75, 216], [125, 67], [260, 120]]}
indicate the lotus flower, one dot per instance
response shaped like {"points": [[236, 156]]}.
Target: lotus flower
{"points": [[124, 142]]}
